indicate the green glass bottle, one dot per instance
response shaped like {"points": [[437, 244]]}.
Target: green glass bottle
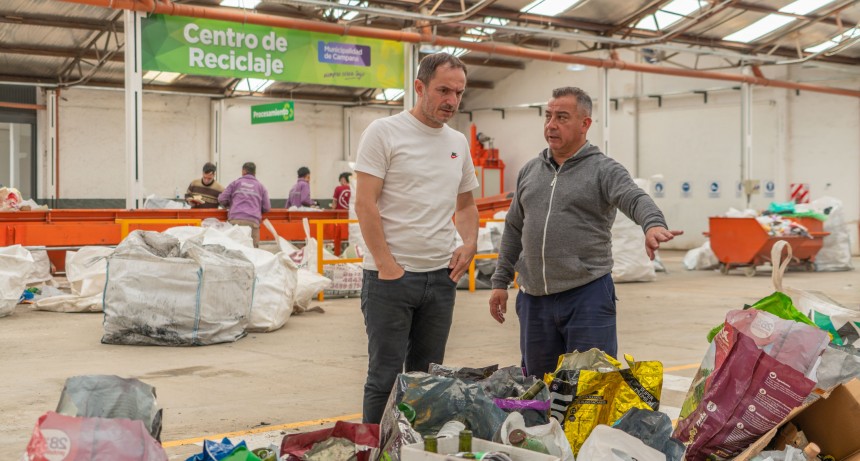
{"points": [[465, 441], [431, 444]]}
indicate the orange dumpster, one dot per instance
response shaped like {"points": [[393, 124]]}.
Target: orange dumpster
{"points": [[744, 243]]}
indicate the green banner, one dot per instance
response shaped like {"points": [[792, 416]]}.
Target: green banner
{"points": [[228, 49], [275, 112]]}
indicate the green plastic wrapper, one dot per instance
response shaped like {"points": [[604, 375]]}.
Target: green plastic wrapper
{"points": [[778, 304]]}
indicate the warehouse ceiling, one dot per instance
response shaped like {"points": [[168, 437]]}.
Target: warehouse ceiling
{"points": [[55, 43]]}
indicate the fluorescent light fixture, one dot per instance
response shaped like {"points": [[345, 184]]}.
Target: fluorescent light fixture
{"points": [[549, 7], [390, 94], [254, 85], [759, 28], [575, 67], [804, 6], [670, 14], [160, 77], [247, 4], [848, 34]]}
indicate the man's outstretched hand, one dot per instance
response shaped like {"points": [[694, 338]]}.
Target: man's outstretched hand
{"points": [[657, 235]]}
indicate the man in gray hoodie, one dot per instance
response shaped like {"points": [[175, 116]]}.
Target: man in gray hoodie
{"points": [[558, 237]]}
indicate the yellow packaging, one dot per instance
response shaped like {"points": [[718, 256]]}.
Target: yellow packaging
{"points": [[595, 397]]}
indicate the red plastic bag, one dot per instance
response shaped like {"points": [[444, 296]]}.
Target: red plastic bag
{"points": [[296, 445], [69, 438]]}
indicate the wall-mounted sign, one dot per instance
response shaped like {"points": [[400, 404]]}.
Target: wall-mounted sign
{"points": [[229, 49], [659, 189], [686, 189], [714, 189], [769, 189], [799, 192], [275, 112]]}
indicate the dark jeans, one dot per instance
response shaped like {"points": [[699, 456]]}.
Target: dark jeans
{"points": [[573, 320], [407, 322]]}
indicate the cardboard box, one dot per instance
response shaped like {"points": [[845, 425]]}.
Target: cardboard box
{"points": [[448, 446], [832, 422]]}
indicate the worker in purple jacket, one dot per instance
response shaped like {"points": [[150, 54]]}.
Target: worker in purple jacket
{"points": [[247, 200], [300, 194]]}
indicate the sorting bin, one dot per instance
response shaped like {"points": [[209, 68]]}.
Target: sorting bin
{"points": [[744, 243]]}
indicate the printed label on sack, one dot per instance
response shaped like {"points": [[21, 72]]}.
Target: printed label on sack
{"points": [[58, 444], [762, 327]]}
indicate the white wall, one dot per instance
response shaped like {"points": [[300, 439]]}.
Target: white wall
{"points": [[812, 138], [177, 137], [92, 143]]}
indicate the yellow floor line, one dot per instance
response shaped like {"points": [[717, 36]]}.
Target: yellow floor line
{"points": [[682, 367], [257, 430]]}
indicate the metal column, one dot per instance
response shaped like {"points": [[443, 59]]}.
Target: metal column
{"points": [[746, 129], [410, 64], [53, 134], [604, 109], [133, 111]]}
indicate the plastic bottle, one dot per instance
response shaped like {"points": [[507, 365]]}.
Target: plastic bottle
{"points": [[533, 391], [451, 429], [519, 438], [465, 441], [811, 452], [407, 411], [431, 444]]}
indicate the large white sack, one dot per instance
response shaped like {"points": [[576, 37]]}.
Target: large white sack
{"points": [[156, 295], [309, 284], [631, 262], [702, 258], [41, 267], [835, 253], [86, 271], [16, 263], [275, 282]]}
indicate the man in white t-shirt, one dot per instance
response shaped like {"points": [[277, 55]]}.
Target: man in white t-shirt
{"points": [[414, 173]]}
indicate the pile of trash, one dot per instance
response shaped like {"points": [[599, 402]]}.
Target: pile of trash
{"points": [[780, 220], [11, 200], [185, 286]]}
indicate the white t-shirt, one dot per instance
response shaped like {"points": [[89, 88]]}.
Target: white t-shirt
{"points": [[423, 170]]}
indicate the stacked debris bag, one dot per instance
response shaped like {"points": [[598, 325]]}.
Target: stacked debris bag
{"points": [[835, 254], [275, 274], [764, 364], [345, 278], [157, 294], [15, 264], [480, 399], [100, 417], [308, 282]]}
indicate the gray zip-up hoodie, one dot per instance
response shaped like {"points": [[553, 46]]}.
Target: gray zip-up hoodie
{"points": [[558, 228]]}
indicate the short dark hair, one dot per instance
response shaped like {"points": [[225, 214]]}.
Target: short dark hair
{"points": [[583, 100], [428, 65], [250, 168], [303, 171], [209, 167], [344, 175]]}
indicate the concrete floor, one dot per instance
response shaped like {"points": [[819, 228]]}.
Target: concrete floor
{"points": [[312, 371]]}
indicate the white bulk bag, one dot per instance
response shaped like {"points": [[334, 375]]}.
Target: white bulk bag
{"points": [[156, 296], [16, 263]]}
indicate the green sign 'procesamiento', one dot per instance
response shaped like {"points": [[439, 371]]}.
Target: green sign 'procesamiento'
{"points": [[275, 112], [228, 49]]}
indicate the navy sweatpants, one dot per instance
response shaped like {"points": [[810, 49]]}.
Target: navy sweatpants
{"points": [[573, 320]]}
